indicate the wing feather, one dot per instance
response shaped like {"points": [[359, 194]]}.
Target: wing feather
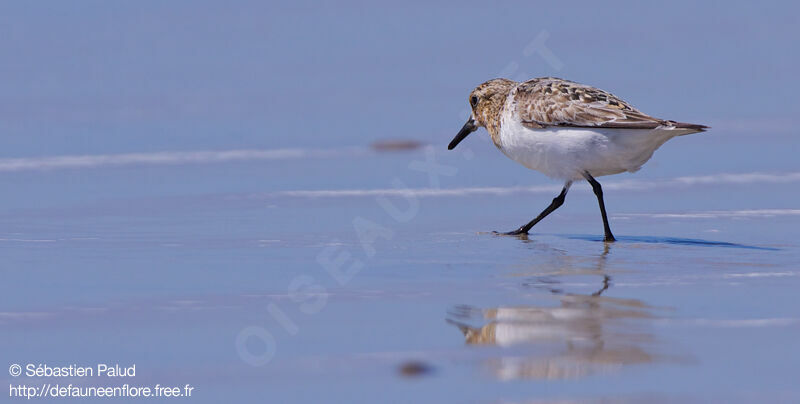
{"points": [[551, 101]]}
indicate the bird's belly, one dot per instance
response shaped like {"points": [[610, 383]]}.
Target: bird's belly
{"points": [[566, 153]]}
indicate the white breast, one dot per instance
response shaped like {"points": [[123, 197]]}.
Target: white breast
{"points": [[565, 153]]}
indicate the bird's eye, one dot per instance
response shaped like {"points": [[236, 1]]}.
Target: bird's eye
{"points": [[473, 101]]}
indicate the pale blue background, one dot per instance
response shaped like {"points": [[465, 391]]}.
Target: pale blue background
{"points": [[122, 76], [163, 265]]}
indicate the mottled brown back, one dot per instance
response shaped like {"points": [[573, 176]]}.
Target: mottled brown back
{"points": [[550, 101]]}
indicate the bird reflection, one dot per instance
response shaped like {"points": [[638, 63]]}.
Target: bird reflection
{"points": [[579, 335]]}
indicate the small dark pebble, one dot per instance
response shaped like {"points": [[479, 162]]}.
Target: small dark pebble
{"points": [[415, 369], [396, 145]]}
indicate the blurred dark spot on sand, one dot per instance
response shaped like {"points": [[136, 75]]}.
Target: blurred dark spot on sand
{"points": [[415, 369], [395, 145]]}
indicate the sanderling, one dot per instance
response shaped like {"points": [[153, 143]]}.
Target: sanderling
{"points": [[567, 131]]}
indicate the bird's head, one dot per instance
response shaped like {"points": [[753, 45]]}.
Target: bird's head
{"points": [[486, 102]]}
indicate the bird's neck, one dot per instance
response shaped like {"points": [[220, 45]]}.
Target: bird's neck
{"points": [[492, 122], [492, 110]]}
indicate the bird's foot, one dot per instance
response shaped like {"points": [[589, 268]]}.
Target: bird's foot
{"points": [[516, 232], [609, 238]]}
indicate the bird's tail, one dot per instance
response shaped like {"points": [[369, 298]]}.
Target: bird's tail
{"points": [[685, 128]]}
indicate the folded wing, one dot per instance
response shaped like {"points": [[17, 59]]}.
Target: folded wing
{"points": [[550, 101]]}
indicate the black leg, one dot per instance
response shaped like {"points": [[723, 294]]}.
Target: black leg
{"points": [[598, 191], [606, 284], [557, 201]]}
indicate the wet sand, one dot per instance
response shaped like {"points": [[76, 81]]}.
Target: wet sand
{"points": [[255, 199], [270, 288]]}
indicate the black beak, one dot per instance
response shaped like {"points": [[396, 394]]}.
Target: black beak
{"points": [[468, 128]]}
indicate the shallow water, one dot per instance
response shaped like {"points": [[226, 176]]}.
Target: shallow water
{"points": [[254, 291], [256, 199]]}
